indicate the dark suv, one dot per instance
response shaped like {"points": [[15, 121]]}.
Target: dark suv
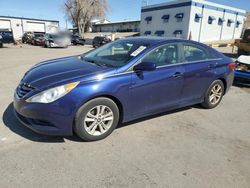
{"points": [[100, 40], [27, 37], [76, 39], [6, 37]]}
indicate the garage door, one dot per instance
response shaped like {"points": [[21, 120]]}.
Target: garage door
{"points": [[5, 24], [35, 27]]}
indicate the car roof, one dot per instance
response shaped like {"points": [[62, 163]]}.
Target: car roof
{"points": [[153, 40]]}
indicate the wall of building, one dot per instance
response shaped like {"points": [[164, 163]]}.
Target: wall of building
{"points": [[199, 30], [247, 21], [117, 27], [203, 31], [21, 25], [158, 24]]}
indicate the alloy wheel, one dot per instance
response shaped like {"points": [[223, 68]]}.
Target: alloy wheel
{"points": [[98, 120], [215, 94]]}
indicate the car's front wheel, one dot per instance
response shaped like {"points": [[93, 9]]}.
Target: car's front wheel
{"points": [[96, 119], [214, 94]]}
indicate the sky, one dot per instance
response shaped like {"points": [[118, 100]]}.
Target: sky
{"points": [[119, 10]]}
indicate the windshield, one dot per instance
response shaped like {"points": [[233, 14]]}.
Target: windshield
{"points": [[115, 54]]}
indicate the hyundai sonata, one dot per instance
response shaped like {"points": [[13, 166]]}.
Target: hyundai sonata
{"points": [[121, 81]]}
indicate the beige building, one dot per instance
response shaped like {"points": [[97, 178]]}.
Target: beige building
{"points": [[247, 21], [124, 26]]}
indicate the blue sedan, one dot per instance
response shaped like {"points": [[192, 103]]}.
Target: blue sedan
{"points": [[121, 81]]}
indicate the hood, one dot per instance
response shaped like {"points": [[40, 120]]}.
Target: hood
{"points": [[61, 70]]}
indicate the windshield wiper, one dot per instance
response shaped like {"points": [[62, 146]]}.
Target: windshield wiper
{"points": [[96, 63]]}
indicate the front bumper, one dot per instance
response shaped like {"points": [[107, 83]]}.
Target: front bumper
{"points": [[242, 78], [48, 119], [57, 45]]}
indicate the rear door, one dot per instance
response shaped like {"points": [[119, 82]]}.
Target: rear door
{"points": [[200, 69]]}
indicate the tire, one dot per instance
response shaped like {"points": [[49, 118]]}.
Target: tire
{"points": [[87, 117], [1, 45], [213, 98]]}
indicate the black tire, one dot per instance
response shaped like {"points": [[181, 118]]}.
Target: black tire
{"points": [[207, 103], [79, 127], [1, 45]]}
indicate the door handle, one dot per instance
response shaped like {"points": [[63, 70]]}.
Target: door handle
{"points": [[212, 65], [177, 74]]}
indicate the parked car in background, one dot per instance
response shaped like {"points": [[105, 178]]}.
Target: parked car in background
{"points": [[56, 41], [119, 82], [1, 41], [38, 39], [27, 37], [242, 70], [100, 40], [6, 37], [76, 39]]}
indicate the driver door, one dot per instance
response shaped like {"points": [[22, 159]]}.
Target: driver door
{"points": [[154, 91]]}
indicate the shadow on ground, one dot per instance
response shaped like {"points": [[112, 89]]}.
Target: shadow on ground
{"points": [[14, 125], [10, 121]]}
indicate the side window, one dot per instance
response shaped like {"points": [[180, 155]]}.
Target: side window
{"points": [[194, 53], [164, 55]]}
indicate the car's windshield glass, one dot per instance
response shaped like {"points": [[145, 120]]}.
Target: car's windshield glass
{"points": [[115, 54]]}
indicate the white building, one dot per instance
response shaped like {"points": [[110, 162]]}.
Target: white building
{"points": [[196, 19], [20, 25]]}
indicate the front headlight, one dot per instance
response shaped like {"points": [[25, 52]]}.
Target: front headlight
{"points": [[52, 94]]}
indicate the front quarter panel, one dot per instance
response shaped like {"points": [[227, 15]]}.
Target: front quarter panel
{"points": [[115, 86]]}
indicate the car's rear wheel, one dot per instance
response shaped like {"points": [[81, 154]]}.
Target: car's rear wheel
{"points": [[96, 119], [214, 94]]}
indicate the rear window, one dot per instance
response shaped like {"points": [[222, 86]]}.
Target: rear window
{"points": [[98, 38], [194, 52]]}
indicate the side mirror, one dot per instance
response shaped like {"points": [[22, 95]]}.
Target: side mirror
{"points": [[145, 66]]}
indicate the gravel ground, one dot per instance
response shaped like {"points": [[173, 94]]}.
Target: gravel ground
{"points": [[190, 147]]}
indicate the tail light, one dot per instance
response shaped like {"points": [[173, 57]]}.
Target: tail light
{"points": [[232, 66]]}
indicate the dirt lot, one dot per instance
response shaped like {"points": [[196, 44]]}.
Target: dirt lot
{"points": [[191, 147]]}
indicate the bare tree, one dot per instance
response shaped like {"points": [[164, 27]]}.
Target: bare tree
{"points": [[81, 12]]}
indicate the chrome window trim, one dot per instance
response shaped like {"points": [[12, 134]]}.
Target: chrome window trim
{"points": [[160, 67]]}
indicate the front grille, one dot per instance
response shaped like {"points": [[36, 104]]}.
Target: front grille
{"points": [[23, 89]]}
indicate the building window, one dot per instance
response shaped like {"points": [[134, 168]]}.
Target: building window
{"points": [[147, 33], [165, 18], [238, 23], [198, 17], [148, 19], [179, 17], [221, 21], [177, 33], [211, 19], [159, 33], [229, 22]]}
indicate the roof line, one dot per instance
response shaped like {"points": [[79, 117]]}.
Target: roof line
{"points": [[118, 22], [14, 17]]}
